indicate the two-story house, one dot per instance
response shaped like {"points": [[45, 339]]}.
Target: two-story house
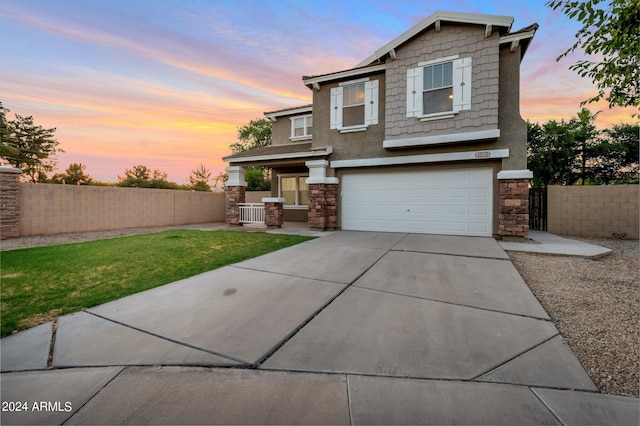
{"points": [[424, 135]]}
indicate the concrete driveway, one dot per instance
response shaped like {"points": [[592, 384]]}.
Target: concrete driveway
{"points": [[354, 327]]}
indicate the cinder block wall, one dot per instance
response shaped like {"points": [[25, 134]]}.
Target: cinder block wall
{"points": [[256, 196], [607, 211], [52, 209]]}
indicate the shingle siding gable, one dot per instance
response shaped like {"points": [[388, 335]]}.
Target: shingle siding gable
{"points": [[461, 40]]}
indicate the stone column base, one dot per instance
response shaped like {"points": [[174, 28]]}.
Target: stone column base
{"points": [[513, 215], [323, 212], [273, 212], [10, 226], [235, 196]]}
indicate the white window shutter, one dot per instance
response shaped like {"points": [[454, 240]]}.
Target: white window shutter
{"points": [[336, 108], [414, 92], [462, 84], [371, 102]]}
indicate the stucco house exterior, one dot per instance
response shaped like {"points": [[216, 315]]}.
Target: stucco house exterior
{"points": [[424, 135]]}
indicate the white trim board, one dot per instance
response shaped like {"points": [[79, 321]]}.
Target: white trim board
{"points": [[443, 139], [289, 155], [425, 158]]}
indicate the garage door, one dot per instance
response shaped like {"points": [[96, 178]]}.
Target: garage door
{"points": [[452, 202]]}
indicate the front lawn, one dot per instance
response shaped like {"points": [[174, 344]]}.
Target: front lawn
{"points": [[40, 284]]}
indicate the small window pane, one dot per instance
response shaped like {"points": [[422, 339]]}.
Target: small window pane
{"points": [[309, 130], [437, 101], [437, 76], [303, 192], [353, 116], [447, 74], [288, 184], [353, 94], [428, 78]]}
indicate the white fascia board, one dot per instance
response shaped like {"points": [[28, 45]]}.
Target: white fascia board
{"points": [[8, 169], [465, 18], [425, 158], [289, 155], [515, 174], [509, 38], [344, 74], [273, 200], [273, 116], [443, 139]]}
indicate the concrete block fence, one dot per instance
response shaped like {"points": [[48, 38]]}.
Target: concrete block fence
{"points": [[608, 211], [43, 209]]}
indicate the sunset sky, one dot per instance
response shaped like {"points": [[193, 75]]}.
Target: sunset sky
{"points": [[166, 83]]}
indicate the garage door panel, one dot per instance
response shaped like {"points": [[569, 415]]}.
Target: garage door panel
{"points": [[454, 202]]}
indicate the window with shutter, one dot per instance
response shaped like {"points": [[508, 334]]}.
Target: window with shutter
{"points": [[439, 88], [354, 105]]}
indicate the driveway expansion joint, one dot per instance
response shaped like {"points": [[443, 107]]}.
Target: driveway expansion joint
{"points": [[242, 362], [452, 303], [285, 275], [450, 254]]}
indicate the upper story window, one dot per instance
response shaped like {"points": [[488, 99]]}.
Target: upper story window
{"points": [[439, 89], [301, 127], [354, 105]]}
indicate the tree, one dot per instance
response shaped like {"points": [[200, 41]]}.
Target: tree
{"points": [[256, 134], [73, 175], [200, 178], [610, 32], [27, 146], [142, 177], [618, 156], [575, 152]]}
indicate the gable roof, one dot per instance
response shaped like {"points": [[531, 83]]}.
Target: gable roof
{"points": [[372, 64], [489, 21]]}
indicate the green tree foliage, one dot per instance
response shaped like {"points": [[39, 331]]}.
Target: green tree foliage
{"points": [[200, 178], [611, 33], [256, 134], [27, 146], [576, 152], [142, 177], [617, 155], [75, 174]]}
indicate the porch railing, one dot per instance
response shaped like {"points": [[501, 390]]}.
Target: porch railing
{"points": [[252, 213]]}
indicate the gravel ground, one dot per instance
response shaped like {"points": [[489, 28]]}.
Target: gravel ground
{"points": [[595, 306]]}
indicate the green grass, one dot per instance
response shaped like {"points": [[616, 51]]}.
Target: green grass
{"points": [[40, 284]]}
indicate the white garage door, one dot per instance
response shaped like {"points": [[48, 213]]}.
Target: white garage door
{"points": [[452, 202]]}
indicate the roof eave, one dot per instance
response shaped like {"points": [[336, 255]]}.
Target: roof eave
{"points": [[463, 18], [350, 73]]}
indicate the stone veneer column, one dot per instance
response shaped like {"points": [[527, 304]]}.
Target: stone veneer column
{"points": [[513, 214], [323, 194], [273, 212], [236, 189], [9, 202]]}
